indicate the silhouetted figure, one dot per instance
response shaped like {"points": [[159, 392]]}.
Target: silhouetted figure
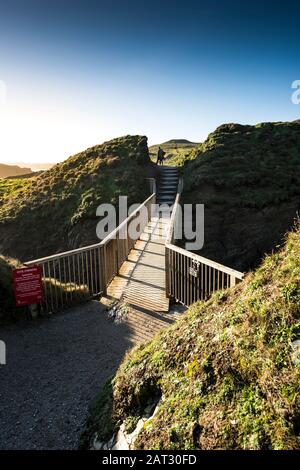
{"points": [[160, 156]]}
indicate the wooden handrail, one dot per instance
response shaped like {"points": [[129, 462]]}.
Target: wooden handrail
{"points": [[95, 245], [208, 262], [170, 232], [82, 273], [191, 277]]}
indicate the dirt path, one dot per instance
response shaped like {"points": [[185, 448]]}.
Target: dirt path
{"points": [[55, 367]]}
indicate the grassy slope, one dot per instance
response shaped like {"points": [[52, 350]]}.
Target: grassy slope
{"points": [[9, 187], [248, 177], [56, 211], [177, 150], [225, 371], [7, 303]]}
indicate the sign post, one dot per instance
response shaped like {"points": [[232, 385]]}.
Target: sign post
{"points": [[28, 286]]}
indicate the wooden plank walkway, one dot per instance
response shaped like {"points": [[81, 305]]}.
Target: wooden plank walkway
{"points": [[141, 279], [140, 283]]}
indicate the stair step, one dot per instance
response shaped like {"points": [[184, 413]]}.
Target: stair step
{"points": [[172, 189], [167, 188], [168, 180], [166, 199], [166, 193]]}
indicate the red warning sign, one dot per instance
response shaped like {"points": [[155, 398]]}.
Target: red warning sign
{"points": [[28, 285]]}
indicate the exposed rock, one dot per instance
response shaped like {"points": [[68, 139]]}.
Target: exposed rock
{"points": [[118, 312], [296, 352], [125, 440]]}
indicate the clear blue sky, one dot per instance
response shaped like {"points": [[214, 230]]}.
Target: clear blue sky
{"points": [[77, 73]]}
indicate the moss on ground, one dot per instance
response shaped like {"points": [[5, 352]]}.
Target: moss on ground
{"points": [[224, 371]]}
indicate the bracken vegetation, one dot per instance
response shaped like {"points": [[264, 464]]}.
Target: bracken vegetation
{"points": [[56, 211], [227, 375]]}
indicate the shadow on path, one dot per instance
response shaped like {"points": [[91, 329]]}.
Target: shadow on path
{"points": [[55, 367]]}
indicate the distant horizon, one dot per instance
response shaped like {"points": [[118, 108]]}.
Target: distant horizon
{"points": [[35, 164], [73, 75]]}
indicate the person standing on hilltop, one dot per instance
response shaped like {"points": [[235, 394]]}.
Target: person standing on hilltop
{"points": [[160, 156]]}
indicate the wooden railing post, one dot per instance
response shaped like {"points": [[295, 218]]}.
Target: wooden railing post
{"points": [[103, 268], [167, 268]]}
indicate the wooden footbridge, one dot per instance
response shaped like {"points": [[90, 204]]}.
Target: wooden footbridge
{"points": [[144, 274], [141, 280]]}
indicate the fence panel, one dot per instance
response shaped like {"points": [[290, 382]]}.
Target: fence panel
{"points": [[78, 275], [190, 277]]}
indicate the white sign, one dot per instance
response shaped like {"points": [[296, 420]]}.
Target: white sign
{"points": [[2, 353]]}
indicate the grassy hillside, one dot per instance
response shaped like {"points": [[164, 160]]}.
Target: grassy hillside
{"points": [[227, 376], [248, 177], [11, 186], [56, 211], [177, 150], [7, 302]]}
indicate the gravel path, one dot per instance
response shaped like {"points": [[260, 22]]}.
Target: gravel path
{"points": [[55, 367]]}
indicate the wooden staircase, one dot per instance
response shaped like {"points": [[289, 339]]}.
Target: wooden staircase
{"points": [[167, 185]]}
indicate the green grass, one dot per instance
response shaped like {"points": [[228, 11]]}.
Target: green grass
{"points": [[260, 163], [248, 178], [177, 151], [225, 371], [56, 210], [9, 187], [8, 309]]}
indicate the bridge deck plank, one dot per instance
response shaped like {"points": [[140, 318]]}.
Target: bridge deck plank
{"points": [[141, 279]]}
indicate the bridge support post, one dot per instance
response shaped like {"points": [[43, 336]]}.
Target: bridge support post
{"points": [[233, 281]]}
